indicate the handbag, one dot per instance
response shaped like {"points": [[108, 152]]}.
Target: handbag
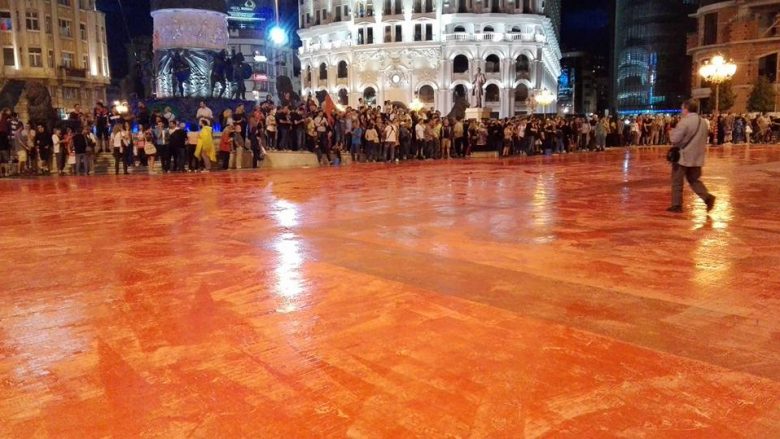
{"points": [[673, 155]]}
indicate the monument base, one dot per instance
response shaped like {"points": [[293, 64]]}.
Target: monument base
{"points": [[290, 159], [477, 113]]}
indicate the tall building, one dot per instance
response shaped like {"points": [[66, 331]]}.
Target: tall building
{"points": [[583, 84], [651, 67], [249, 23], [61, 43], [399, 50], [748, 32]]}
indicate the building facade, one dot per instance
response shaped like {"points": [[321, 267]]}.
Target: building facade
{"points": [[746, 31], [249, 24], [583, 84], [651, 67], [61, 43], [399, 50]]}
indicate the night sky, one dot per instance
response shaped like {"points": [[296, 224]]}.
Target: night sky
{"points": [[585, 26]]}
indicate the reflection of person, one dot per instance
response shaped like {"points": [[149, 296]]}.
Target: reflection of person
{"points": [[690, 136], [479, 82]]}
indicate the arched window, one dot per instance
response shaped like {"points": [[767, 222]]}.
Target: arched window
{"points": [[369, 96], [522, 67], [487, 29], [343, 97], [521, 94], [460, 64], [459, 29], [308, 74], [492, 64], [323, 72], [426, 94], [516, 29], [491, 93], [342, 70]]}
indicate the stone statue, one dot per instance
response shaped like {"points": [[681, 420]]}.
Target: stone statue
{"points": [[39, 105], [286, 91], [479, 82]]}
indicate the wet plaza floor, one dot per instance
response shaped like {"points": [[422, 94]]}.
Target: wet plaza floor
{"points": [[539, 297]]}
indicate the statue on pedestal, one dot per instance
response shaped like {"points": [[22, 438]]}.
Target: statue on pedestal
{"points": [[479, 82]]}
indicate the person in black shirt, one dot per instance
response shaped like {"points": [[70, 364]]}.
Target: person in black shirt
{"points": [[283, 124], [296, 127], [178, 145], [80, 148], [44, 144], [143, 117]]}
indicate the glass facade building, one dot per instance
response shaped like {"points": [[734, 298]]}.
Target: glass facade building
{"points": [[651, 66]]}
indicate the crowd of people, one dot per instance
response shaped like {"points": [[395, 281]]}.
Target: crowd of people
{"points": [[367, 133]]}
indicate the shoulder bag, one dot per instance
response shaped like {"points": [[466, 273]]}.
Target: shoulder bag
{"points": [[673, 155]]}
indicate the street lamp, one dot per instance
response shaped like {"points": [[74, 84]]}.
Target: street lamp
{"points": [[717, 71], [545, 98]]}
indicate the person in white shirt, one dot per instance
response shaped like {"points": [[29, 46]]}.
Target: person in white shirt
{"points": [[56, 142], [391, 140], [372, 139], [419, 133], [118, 144], [204, 113]]}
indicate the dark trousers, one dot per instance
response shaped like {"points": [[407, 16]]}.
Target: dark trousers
{"points": [[458, 146], [179, 158], [224, 159], [194, 162], [692, 174], [164, 151]]}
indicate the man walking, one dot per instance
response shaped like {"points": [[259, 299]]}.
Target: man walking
{"points": [[690, 136], [161, 138]]}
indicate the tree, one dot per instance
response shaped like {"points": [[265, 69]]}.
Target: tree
{"points": [[726, 98], [762, 98]]}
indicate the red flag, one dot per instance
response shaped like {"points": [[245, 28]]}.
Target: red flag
{"points": [[328, 107]]}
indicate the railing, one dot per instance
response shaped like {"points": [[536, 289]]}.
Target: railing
{"points": [[73, 72], [483, 36]]}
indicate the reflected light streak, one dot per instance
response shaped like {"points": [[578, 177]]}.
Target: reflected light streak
{"points": [[289, 283], [286, 213], [713, 255]]}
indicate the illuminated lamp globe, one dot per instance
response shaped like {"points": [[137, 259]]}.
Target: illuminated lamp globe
{"points": [[278, 36]]}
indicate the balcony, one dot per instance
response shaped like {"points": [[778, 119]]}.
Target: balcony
{"points": [[71, 72], [484, 36]]}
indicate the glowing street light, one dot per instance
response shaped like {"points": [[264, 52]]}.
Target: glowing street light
{"points": [[278, 35], [545, 98], [717, 71]]}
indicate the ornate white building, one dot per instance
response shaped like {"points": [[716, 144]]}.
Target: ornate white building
{"points": [[396, 50]]}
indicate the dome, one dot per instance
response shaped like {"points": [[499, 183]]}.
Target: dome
{"points": [[209, 5]]}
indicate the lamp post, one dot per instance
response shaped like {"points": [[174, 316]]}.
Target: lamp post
{"points": [[717, 70], [545, 98]]}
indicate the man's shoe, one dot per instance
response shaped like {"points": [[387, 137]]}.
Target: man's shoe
{"points": [[710, 203], [675, 209]]}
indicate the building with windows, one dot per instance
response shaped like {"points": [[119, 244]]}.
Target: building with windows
{"points": [[61, 43], [583, 84], [399, 50], [249, 24], [746, 31], [651, 67]]}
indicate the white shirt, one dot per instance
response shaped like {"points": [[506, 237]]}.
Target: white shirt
{"points": [[116, 139], [419, 130], [391, 134], [55, 140], [204, 113]]}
